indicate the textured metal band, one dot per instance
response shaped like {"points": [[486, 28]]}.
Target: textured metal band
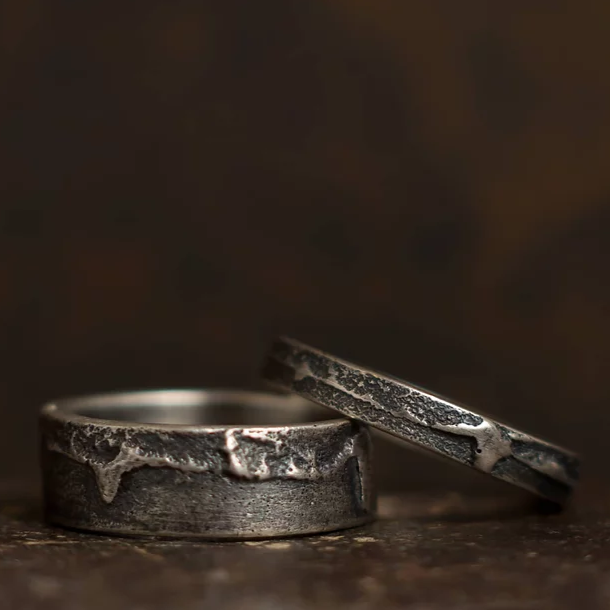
{"points": [[193, 479], [416, 415]]}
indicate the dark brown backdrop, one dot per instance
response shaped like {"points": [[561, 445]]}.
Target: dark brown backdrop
{"points": [[421, 186]]}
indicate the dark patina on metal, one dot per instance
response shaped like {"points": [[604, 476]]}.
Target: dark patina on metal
{"points": [[421, 417], [162, 463]]}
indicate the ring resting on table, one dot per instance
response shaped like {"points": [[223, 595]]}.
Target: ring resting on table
{"points": [[216, 464], [423, 418]]}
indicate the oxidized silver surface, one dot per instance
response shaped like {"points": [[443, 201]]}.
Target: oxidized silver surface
{"points": [[416, 415], [183, 474]]}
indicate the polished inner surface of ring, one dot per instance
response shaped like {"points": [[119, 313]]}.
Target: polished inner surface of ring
{"points": [[224, 410]]}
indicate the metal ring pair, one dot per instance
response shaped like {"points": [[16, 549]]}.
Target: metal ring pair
{"points": [[171, 463]]}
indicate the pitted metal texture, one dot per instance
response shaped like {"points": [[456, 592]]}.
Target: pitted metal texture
{"points": [[216, 481], [421, 417]]}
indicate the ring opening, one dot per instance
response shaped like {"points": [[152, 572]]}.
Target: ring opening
{"points": [[194, 408]]}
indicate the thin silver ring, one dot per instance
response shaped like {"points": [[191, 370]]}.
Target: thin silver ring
{"points": [[162, 463], [423, 418]]}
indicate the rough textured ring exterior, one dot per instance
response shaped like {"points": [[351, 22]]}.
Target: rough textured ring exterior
{"points": [[416, 415], [209, 481]]}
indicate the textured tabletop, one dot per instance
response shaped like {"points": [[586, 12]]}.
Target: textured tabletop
{"points": [[427, 551]]}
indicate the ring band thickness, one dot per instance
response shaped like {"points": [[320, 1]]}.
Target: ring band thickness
{"points": [[423, 418], [197, 480]]}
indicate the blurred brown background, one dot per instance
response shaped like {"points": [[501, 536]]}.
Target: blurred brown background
{"points": [[421, 186]]}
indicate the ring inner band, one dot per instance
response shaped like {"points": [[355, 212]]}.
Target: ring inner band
{"points": [[193, 408]]}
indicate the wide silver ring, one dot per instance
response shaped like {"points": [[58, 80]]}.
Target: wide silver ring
{"points": [[218, 464]]}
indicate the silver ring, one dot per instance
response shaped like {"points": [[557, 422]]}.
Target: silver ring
{"points": [[213, 464], [421, 417]]}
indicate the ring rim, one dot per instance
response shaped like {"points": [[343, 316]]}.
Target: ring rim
{"points": [[65, 409]]}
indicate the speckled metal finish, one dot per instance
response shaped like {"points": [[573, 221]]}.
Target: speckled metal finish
{"points": [[416, 415], [189, 478]]}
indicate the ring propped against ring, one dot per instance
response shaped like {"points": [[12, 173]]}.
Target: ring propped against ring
{"points": [[218, 464], [423, 418]]}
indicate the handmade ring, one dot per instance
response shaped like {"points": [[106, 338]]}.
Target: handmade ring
{"points": [[196, 463], [421, 417]]}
